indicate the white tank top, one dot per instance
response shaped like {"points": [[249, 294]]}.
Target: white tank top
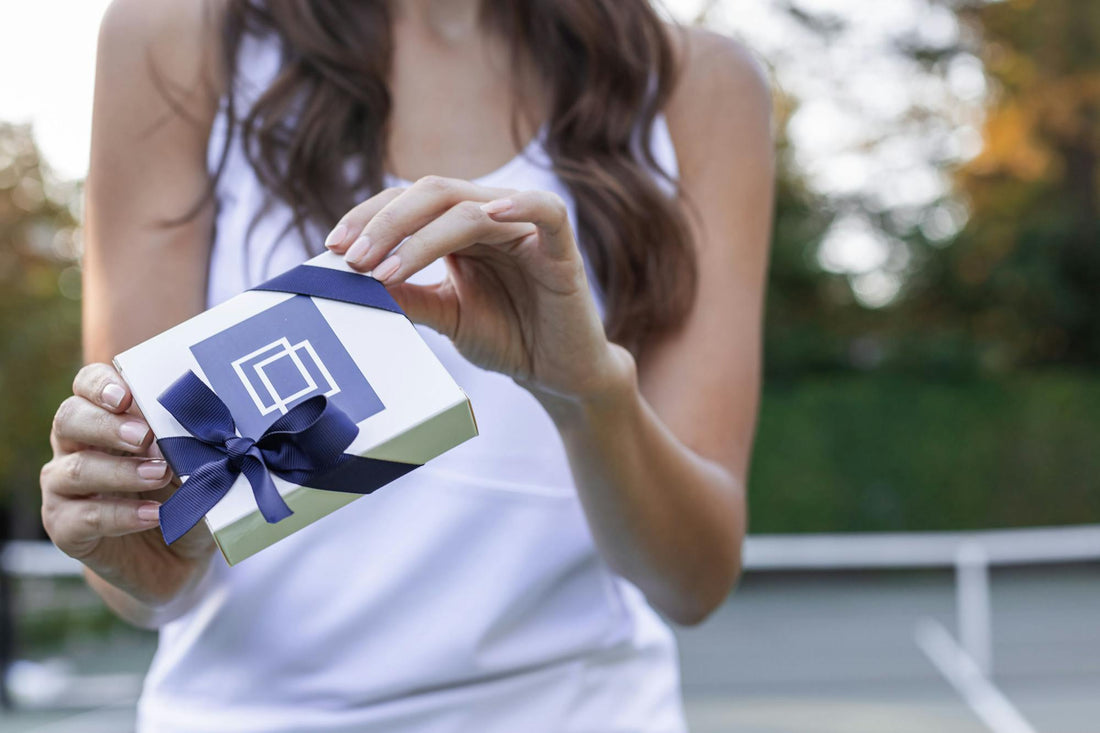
{"points": [[465, 596]]}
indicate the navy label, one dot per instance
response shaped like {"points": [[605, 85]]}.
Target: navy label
{"points": [[267, 364]]}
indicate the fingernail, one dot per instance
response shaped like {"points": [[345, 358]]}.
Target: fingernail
{"points": [[113, 395], [499, 206], [336, 236], [358, 249], [133, 432], [149, 512], [387, 268], [152, 470]]}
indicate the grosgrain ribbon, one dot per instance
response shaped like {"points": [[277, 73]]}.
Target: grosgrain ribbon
{"points": [[305, 446], [332, 284]]}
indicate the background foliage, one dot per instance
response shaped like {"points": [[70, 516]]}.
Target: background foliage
{"points": [[970, 399], [39, 317], [967, 398]]}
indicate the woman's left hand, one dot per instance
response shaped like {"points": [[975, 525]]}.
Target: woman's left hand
{"points": [[515, 299]]}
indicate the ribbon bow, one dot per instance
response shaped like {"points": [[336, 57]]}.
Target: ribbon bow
{"points": [[305, 446], [301, 446]]}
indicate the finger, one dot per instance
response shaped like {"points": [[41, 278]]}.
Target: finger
{"points": [[79, 423], [72, 524], [459, 227], [431, 305], [102, 385], [88, 472], [351, 224], [544, 209], [425, 200]]}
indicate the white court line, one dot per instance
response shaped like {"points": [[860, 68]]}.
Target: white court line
{"points": [[958, 668]]}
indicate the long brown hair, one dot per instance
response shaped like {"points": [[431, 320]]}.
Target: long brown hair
{"points": [[609, 66]]}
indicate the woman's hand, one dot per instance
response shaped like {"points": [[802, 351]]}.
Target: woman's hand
{"points": [[515, 299], [102, 490]]}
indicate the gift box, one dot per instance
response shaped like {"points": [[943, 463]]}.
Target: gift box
{"points": [[289, 401]]}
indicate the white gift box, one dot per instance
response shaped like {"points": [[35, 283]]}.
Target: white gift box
{"points": [[263, 353]]}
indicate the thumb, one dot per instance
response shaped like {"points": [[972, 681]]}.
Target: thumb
{"points": [[434, 306]]}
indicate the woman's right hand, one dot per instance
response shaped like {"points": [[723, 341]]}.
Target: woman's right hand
{"points": [[101, 493]]}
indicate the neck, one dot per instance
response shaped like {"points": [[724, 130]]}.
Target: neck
{"points": [[451, 20]]}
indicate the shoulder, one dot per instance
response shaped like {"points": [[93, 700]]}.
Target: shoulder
{"points": [[165, 40], [154, 105], [711, 61], [721, 100], [167, 21], [157, 91]]}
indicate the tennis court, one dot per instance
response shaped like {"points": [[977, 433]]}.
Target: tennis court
{"points": [[800, 652]]}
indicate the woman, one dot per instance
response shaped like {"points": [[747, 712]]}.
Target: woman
{"points": [[598, 296]]}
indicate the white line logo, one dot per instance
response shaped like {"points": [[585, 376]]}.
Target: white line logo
{"points": [[277, 374]]}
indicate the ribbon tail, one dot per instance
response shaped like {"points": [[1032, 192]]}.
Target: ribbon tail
{"points": [[268, 498], [351, 474], [194, 498]]}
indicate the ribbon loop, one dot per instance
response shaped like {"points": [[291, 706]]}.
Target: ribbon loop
{"points": [[309, 439]]}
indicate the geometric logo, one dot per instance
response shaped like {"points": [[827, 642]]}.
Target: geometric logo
{"points": [[272, 373], [265, 365]]}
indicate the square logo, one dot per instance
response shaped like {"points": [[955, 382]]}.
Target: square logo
{"points": [[279, 373], [267, 364]]}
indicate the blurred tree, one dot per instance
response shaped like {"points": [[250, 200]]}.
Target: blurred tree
{"points": [[39, 315], [969, 421], [795, 279], [1022, 280], [854, 196], [1018, 284], [809, 310]]}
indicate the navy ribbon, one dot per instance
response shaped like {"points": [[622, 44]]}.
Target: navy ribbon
{"points": [[330, 284], [305, 446]]}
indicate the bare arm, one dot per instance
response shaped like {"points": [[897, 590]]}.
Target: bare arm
{"points": [[661, 463], [659, 449], [140, 277], [147, 167]]}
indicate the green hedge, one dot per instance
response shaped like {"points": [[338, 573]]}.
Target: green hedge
{"points": [[868, 452]]}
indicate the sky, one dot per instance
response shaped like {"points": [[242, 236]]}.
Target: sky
{"points": [[48, 62]]}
